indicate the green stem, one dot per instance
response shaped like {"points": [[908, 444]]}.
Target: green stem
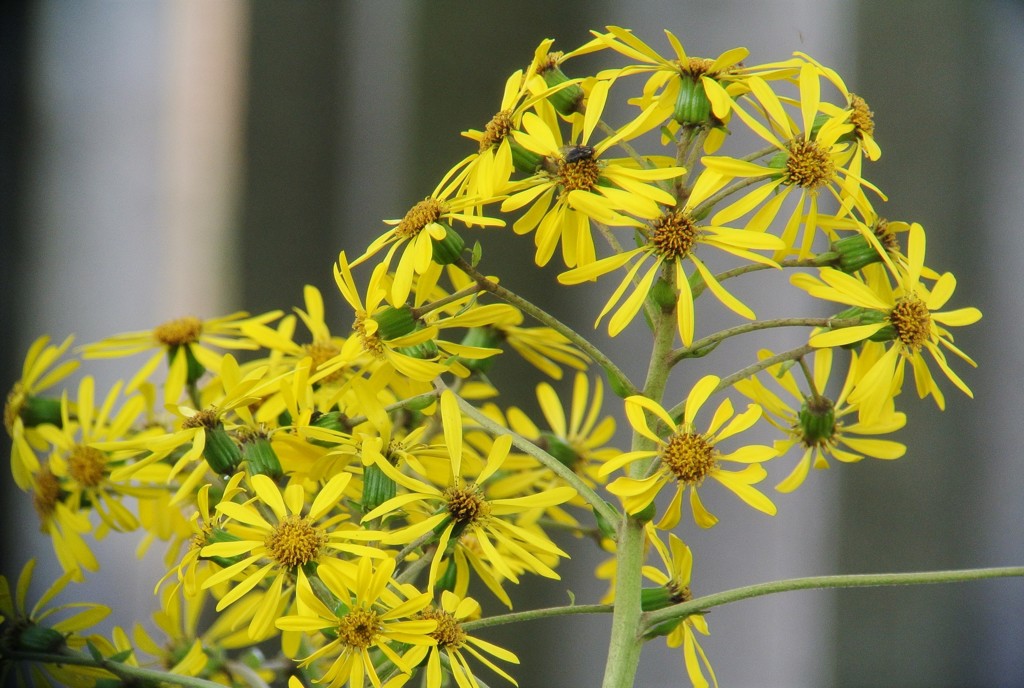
{"points": [[820, 260], [863, 580], [697, 349], [404, 403], [418, 313], [126, 672], [557, 467], [712, 200], [533, 614], [617, 378]]}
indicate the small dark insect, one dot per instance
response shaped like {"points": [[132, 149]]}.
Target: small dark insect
{"points": [[579, 153]]}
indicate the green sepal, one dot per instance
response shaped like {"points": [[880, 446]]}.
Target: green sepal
{"points": [[476, 254], [377, 487], [664, 294], [261, 457], [395, 322], [567, 99], [447, 580], [617, 385], [819, 121], [449, 249], [424, 350], [868, 316], [524, 160], [221, 452], [606, 528], [855, 252], [663, 628], [38, 410], [655, 598], [559, 449], [195, 368], [647, 513], [779, 160], [120, 657], [221, 535], [483, 337], [817, 420], [692, 104], [42, 639]]}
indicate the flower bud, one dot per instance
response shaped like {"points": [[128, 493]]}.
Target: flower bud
{"points": [[566, 100], [37, 638], [664, 294], [559, 449], [656, 598], [395, 322], [525, 161], [377, 487], [817, 420], [38, 410]]}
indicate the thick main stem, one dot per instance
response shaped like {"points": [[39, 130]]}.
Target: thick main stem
{"points": [[626, 642]]}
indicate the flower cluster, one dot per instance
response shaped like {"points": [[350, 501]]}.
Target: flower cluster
{"points": [[336, 492]]}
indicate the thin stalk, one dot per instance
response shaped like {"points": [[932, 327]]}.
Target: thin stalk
{"points": [[130, 674], [418, 313], [860, 580], [820, 260], [534, 614], [618, 379], [697, 348]]}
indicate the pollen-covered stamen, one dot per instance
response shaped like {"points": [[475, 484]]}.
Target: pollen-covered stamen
{"points": [[580, 174], [372, 343], [295, 541], [394, 452], [696, 67], [678, 594], [496, 130], [46, 493], [87, 465], [809, 165], [861, 117], [674, 234], [466, 504], [689, 457], [359, 628], [322, 352], [552, 62], [449, 633], [912, 321], [419, 216], [179, 332], [201, 419], [885, 236]]}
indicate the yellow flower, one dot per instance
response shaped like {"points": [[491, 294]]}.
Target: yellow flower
{"points": [[368, 617], [456, 644], [672, 239], [576, 184], [31, 630], [186, 342], [24, 409], [464, 508], [818, 424], [281, 549], [678, 561], [912, 322], [687, 457], [809, 159]]}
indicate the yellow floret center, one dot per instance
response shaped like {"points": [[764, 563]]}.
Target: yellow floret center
{"points": [[179, 332], [912, 321], [885, 236], [46, 493], [678, 594], [690, 457], [372, 343], [87, 465], [579, 175], [419, 216], [359, 628], [496, 130], [862, 118], [449, 632], [809, 165], [321, 353], [201, 419], [674, 235], [295, 541], [466, 504], [696, 67]]}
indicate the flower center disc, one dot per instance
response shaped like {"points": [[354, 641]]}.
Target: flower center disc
{"points": [[86, 465], [809, 165], [466, 504], [448, 632], [295, 542], [674, 234], [419, 216], [689, 457], [913, 322], [179, 332], [359, 628]]}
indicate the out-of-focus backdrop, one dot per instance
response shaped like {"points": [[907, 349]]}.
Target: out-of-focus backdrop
{"points": [[159, 159]]}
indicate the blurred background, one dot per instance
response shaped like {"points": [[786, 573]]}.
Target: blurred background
{"points": [[160, 159]]}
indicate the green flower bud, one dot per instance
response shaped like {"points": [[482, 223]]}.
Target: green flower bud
{"points": [[38, 410], [656, 598], [692, 104], [525, 161], [221, 452], [664, 294], [426, 350], [40, 639], [559, 449], [447, 250], [377, 487], [817, 420], [567, 99], [261, 457]]}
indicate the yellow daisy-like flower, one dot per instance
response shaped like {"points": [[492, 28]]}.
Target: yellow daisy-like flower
{"points": [[186, 343], [281, 549], [821, 426], [912, 322], [24, 408], [672, 239], [576, 185], [464, 508], [32, 631], [678, 562], [426, 222], [687, 457], [810, 159], [455, 643], [368, 618]]}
